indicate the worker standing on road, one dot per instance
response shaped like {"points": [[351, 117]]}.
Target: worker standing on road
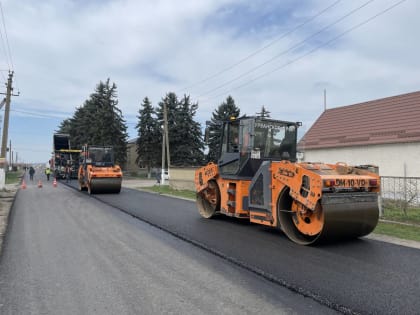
{"points": [[31, 173], [68, 173], [48, 173]]}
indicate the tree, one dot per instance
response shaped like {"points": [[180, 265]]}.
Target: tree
{"points": [[264, 113], [224, 112], [99, 121], [185, 138], [149, 137], [189, 145], [172, 103], [64, 126]]}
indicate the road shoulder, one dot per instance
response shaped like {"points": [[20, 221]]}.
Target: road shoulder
{"points": [[7, 197]]}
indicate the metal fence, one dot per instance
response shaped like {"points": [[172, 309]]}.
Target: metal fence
{"points": [[402, 192]]}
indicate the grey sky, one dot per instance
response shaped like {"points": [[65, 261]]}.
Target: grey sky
{"points": [[61, 49]]}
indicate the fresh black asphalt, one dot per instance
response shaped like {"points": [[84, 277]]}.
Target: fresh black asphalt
{"points": [[68, 253], [362, 275]]}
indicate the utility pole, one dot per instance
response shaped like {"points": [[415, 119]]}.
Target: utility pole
{"points": [[165, 140], [10, 153], [165, 118], [162, 172], [9, 94]]}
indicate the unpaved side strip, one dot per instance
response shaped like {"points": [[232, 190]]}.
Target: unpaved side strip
{"points": [[7, 197]]}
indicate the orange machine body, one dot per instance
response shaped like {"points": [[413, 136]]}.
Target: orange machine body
{"points": [[308, 201], [97, 171]]}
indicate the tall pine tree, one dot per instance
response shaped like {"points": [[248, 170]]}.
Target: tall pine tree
{"points": [[149, 137], [185, 139], [190, 145], [99, 121], [263, 113], [224, 112], [172, 103], [65, 126]]}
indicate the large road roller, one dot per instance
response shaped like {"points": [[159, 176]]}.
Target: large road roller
{"points": [[258, 178], [98, 172]]}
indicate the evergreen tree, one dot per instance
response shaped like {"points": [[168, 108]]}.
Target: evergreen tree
{"points": [[64, 126], [99, 121], [185, 139], [224, 112], [264, 113], [149, 137], [172, 103], [188, 150]]}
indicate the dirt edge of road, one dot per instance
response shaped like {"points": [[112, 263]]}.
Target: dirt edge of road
{"points": [[7, 197]]}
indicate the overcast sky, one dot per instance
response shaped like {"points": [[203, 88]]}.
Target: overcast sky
{"points": [[280, 54]]}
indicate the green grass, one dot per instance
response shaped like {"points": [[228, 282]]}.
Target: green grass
{"points": [[13, 177], [393, 211], [398, 230], [164, 189]]}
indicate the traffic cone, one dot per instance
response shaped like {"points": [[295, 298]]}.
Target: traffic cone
{"points": [[23, 184], [39, 184], [54, 182]]}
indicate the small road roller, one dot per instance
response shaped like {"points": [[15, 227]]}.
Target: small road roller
{"points": [[98, 172]]}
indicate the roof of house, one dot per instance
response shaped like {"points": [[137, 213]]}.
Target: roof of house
{"points": [[393, 119]]}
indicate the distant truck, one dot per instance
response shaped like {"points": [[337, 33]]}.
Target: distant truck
{"points": [[64, 155]]}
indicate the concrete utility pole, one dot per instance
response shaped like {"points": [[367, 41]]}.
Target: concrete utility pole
{"points": [[165, 118], [162, 172], [165, 140], [10, 153], [9, 94]]}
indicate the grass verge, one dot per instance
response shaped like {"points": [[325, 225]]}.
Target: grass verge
{"points": [[395, 213], [13, 177], [164, 189], [406, 232]]}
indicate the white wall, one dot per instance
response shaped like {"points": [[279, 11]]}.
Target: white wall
{"points": [[391, 158], [2, 179]]}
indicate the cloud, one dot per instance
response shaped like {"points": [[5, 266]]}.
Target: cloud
{"points": [[62, 48]]}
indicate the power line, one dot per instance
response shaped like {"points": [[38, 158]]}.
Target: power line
{"points": [[2, 74], [7, 39], [37, 114], [4, 49], [311, 51], [287, 50], [50, 116], [262, 48]]}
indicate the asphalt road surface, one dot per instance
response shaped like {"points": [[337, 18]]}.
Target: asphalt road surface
{"points": [[359, 276], [69, 253]]}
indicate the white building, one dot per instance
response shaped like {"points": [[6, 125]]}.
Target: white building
{"points": [[383, 132]]}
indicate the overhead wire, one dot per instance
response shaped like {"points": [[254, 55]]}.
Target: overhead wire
{"points": [[311, 51], [283, 35], [287, 50], [58, 116], [37, 114], [7, 39]]}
